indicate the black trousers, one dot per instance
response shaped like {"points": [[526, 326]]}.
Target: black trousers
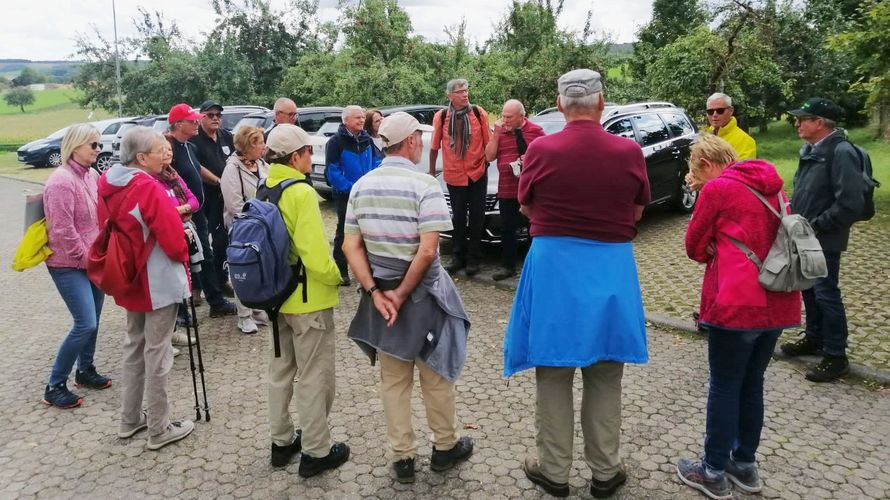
{"points": [[213, 209], [467, 235], [206, 279], [340, 202], [511, 219]]}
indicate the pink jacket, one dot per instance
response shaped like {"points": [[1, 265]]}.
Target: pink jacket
{"points": [[731, 296], [69, 200]]}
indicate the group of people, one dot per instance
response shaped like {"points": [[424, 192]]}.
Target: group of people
{"points": [[565, 315]]}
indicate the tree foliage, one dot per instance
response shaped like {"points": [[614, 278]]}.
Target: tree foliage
{"points": [[19, 96], [671, 19], [28, 76]]}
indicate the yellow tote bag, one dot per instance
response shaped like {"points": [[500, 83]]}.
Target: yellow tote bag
{"points": [[32, 249]]}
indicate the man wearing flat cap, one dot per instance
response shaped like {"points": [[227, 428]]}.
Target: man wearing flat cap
{"points": [[828, 192], [578, 304], [306, 326], [410, 313]]}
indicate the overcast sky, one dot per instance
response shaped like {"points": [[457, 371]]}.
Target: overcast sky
{"points": [[45, 29]]}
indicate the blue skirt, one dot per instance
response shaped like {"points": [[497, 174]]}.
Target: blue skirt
{"points": [[578, 303]]}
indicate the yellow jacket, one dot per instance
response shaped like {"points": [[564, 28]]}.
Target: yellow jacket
{"points": [[309, 242], [744, 145]]}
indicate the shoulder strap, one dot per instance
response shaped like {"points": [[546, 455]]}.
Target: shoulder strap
{"points": [[747, 251], [273, 194], [782, 203], [477, 113]]}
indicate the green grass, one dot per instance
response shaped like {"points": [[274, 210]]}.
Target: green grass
{"points": [[52, 110], [10, 167], [781, 147], [44, 100]]}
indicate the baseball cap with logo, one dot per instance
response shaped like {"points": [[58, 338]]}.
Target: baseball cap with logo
{"points": [[286, 138], [821, 107], [182, 112], [580, 83], [396, 127]]}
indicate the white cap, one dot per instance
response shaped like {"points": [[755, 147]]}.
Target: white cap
{"points": [[286, 138], [396, 127]]}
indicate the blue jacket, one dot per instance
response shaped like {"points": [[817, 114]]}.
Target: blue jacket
{"points": [[348, 158]]}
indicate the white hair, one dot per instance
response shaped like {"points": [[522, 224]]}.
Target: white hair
{"points": [[350, 110], [516, 103], [720, 95], [585, 103], [457, 82], [281, 102], [138, 140]]}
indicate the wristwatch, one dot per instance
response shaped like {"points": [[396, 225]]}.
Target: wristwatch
{"points": [[370, 291]]}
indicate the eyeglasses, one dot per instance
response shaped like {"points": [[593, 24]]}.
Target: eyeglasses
{"points": [[461, 91], [800, 119], [213, 115], [96, 145], [292, 115], [718, 111]]}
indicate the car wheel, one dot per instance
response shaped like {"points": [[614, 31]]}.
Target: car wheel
{"points": [[685, 198], [54, 159], [103, 162]]}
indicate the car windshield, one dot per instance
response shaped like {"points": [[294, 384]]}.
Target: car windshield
{"points": [[328, 129], [58, 134], [160, 126], [253, 121]]}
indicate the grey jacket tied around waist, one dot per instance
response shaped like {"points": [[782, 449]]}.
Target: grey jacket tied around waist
{"points": [[432, 324]]}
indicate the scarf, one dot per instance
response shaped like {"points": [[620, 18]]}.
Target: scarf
{"points": [[169, 177], [459, 128]]}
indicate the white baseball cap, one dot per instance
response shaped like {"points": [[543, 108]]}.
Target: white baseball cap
{"points": [[287, 138], [396, 127]]}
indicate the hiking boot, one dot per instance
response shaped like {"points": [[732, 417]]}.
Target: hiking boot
{"points": [[282, 455], [829, 369], [404, 470], [802, 347], [507, 272], [607, 488], [261, 318], [695, 473], [60, 397], [224, 308], [533, 472], [90, 379], [246, 325], [310, 466], [472, 268], [184, 321], [180, 338], [456, 265], [129, 430], [744, 476], [175, 431], [444, 460]]}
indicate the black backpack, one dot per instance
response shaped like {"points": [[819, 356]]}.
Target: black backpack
{"points": [[869, 183]]}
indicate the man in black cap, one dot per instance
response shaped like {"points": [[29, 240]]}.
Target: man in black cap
{"points": [[828, 192], [213, 145]]}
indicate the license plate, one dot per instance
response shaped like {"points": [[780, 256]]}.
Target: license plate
{"points": [[319, 169], [21, 158]]}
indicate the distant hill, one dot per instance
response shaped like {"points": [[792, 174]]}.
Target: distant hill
{"points": [[621, 49], [57, 71]]}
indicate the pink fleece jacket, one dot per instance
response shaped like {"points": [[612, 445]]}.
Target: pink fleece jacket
{"points": [[69, 200]]}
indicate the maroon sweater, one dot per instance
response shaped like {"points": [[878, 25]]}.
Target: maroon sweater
{"points": [[584, 182]]}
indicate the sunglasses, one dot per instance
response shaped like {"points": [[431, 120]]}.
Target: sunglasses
{"points": [[96, 145], [718, 111], [213, 115]]}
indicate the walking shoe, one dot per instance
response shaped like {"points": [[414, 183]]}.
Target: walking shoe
{"points": [[261, 318], [456, 265], [444, 460], [695, 474], [744, 476], [607, 488], [224, 308], [404, 470], [184, 321], [175, 431], [246, 325], [60, 397], [175, 352], [507, 272], [472, 268], [533, 472], [196, 298], [310, 466], [227, 290], [829, 369], [129, 430], [180, 338], [801, 347], [282, 455], [90, 379]]}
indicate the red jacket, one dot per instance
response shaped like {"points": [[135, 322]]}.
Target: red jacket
{"points": [[731, 296], [142, 211]]}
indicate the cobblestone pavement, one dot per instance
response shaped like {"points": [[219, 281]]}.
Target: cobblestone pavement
{"points": [[820, 441]]}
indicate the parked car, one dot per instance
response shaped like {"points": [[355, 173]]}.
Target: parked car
{"points": [[663, 131], [309, 119], [423, 112], [47, 152], [108, 129], [145, 121]]}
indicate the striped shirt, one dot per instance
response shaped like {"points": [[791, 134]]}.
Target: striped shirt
{"points": [[391, 206]]}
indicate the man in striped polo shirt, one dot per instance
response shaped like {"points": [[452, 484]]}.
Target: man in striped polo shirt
{"points": [[393, 219]]}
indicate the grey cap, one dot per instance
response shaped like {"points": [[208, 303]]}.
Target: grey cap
{"points": [[580, 83]]}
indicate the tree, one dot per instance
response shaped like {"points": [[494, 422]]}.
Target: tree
{"points": [[28, 76], [671, 19], [19, 96]]}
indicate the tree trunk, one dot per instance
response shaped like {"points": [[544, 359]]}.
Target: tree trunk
{"points": [[884, 121], [23, 107]]}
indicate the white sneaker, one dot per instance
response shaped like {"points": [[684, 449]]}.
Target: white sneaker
{"points": [[175, 352], [247, 325], [260, 317], [176, 431], [180, 338]]}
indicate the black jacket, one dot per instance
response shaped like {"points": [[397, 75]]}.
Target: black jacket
{"points": [[185, 162], [828, 189]]}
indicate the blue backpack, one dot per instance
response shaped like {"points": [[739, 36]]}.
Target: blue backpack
{"points": [[259, 245]]}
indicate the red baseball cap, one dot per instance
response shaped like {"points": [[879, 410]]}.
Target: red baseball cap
{"points": [[183, 112]]}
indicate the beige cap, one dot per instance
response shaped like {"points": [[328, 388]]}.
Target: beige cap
{"points": [[287, 138], [580, 83], [396, 127]]}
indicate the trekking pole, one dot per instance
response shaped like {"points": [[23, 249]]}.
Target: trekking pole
{"points": [[200, 360], [188, 334]]}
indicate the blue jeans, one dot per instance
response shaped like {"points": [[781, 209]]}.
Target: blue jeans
{"points": [[84, 301], [737, 360], [826, 317]]}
